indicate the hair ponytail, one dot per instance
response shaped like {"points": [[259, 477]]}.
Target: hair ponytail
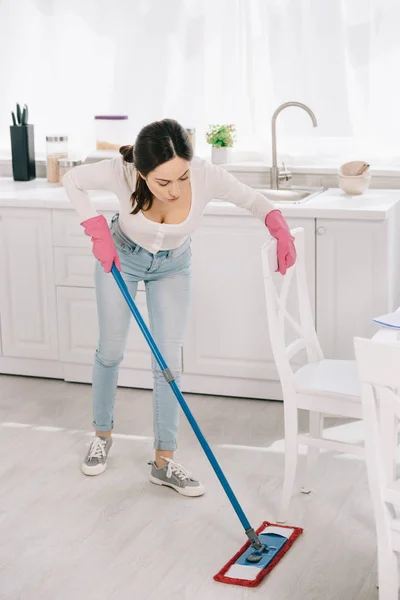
{"points": [[127, 153], [142, 198]]}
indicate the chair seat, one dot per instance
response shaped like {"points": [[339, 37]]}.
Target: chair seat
{"points": [[329, 378]]}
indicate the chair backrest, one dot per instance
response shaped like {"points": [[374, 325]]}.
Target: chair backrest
{"points": [[278, 315], [378, 365]]}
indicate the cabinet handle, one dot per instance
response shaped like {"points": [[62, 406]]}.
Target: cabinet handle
{"points": [[321, 230]]}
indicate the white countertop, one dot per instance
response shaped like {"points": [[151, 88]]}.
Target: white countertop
{"points": [[374, 204]]}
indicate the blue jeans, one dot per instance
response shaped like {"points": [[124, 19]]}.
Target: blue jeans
{"points": [[167, 281]]}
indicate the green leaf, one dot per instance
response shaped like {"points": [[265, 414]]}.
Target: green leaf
{"points": [[221, 136]]}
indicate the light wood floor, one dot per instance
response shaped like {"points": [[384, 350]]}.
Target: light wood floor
{"points": [[64, 536]]}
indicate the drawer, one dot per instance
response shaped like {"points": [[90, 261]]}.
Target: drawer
{"points": [[74, 267], [67, 230]]}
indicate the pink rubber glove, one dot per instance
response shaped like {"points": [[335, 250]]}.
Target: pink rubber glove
{"points": [[103, 244], [279, 229]]}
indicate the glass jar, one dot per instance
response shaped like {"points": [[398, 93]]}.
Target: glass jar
{"points": [[192, 137], [65, 165], [111, 132], [56, 147]]}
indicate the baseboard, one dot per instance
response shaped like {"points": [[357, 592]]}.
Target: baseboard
{"points": [[31, 367]]}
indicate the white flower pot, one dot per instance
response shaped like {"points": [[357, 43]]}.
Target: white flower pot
{"points": [[219, 156]]}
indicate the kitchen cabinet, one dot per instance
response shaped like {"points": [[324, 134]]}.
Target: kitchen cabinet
{"points": [[48, 316], [27, 289]]}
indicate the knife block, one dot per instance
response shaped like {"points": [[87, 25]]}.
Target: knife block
{"points": [[23, 152]]}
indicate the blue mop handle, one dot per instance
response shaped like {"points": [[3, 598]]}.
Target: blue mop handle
{"points": [[210, 455]]}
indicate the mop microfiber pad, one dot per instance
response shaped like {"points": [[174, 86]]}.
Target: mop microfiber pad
{"points": [[277, 539]]}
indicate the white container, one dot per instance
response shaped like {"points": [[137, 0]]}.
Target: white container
{"points": [[351, 183], [111, 132], [354, 185], [65, 165], [56, 147], [219, 156]]}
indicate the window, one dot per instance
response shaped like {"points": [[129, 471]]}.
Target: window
{"points": [[209, 61]]}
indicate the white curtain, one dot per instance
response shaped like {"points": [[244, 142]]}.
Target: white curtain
{"points": [[209, 61]]}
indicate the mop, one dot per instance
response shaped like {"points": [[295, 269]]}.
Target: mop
{"points": [[264, 547]]}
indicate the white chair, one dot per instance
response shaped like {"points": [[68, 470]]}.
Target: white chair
{"points": [[321, 386], [379, 373]]}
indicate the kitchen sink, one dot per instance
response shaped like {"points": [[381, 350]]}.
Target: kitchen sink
{"points": [[291, 195]]}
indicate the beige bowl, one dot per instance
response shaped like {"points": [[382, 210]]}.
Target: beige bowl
{"points": [[354, 185], [350, 169]]}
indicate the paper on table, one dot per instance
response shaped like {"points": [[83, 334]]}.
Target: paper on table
{"points": [[390, 320]]}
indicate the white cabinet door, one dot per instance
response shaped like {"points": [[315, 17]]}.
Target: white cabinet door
{"points": [[27, 290], [228, 331], [78, 329], [352, 281]]}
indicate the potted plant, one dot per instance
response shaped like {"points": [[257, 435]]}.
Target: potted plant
{"points": [[22, 146], [221, 137]]}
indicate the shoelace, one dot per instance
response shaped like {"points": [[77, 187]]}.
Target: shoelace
{"points": [[97, 449], [175, 468]]}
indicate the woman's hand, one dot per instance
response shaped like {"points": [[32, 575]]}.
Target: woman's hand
{"points": [[279, 229], [103, 244]]}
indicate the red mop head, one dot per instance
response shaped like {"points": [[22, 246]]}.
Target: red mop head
{"points": [[277, 538]]}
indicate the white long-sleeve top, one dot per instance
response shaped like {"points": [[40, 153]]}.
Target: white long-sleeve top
{"points": [[208, 181]]}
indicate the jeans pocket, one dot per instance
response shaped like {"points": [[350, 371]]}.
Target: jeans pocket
{"points": [[120, 245]]}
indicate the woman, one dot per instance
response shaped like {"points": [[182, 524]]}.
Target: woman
{"points": [[162, 191]]}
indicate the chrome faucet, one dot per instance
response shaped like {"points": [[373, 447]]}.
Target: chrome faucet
{"points": [[275, 175]]}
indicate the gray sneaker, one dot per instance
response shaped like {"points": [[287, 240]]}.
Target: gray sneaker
{"points": [[175, 476], [96, 458]]}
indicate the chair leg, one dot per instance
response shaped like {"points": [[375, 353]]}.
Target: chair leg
{"points": [[316, 428], [291, 456], [388, 576]]}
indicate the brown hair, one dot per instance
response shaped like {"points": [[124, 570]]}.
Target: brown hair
{"points": [[155, 144]]}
